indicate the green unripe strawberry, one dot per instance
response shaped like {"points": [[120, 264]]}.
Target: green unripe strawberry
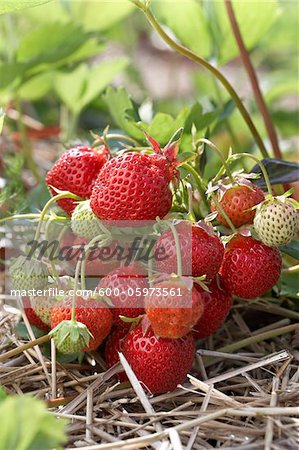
{"points": [[70, 337], [84, 223], [276, 221], [26, 274]]}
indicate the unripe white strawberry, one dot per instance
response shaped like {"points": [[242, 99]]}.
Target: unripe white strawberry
{"points": [[276, 221], [84, 223], [26, 274]]}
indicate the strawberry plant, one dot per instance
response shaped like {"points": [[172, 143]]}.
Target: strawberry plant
{"points": [[148, 234]]}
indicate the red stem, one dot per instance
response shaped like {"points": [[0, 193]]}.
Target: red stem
{"points": [[253, 80]]}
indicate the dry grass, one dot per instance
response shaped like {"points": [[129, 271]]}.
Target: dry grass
{"points": [[243, 391]]}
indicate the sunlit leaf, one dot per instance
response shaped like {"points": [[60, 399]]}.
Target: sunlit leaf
{"points": [[100, 14], [7, 6], [49, 43], [26, 425], [82, 85], [187, 21], [123, 112], [254, 20]]}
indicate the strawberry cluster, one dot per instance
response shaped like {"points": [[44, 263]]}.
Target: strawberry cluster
{"points": [[202, 269]]}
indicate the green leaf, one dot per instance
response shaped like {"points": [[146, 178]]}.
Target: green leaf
{"points": [[187, 21], [123, 112], [191, 24], [254, 19], [8, 6], [26, 425], [50, 43], [291, 249], [3, 394], [79, 87], [36, 87], [100, 14], [163, 126]]}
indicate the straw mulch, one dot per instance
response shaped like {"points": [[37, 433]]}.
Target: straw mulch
{"points": [[243, 391]]}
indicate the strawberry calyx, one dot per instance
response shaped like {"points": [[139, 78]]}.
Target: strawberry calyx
{"points": [[71, 336]]}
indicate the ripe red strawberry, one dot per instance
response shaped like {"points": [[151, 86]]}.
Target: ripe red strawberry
{"points": [[33, 317], [76, 171], [160, 364], [126, 288], [135, 186], [217, 304], [201, 251], [114, 345], [173, 309], [250, 268], [96, 317], [236, 201]]}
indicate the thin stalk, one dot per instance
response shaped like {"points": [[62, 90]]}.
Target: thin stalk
{"points": [[178, 250], [253, 80], [199, 60], [261, 165], [48, 204], [191, 215], [86, 253], [219, 153], [199, 183], [223, 213], [78, 267], [32, 216]]}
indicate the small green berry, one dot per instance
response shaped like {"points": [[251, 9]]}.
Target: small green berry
{"points": [[84, 223]]}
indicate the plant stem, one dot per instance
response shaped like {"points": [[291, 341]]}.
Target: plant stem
{"points": [[199, 60], [191, 215], [86, 253], [255, 159], [178, 249], [219, 153], [223, 213], [48, 204], [199, 182], [32, 216], [253, 79], [78, 267]]}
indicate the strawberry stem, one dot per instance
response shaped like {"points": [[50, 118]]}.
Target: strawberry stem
{"points": [[261, 165], [190, 215], [74, 301], [223, 213], [178, 249], [52, 200], [199, 60], [220, 154], [86, 253], [199, 183], [32, 216]]}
